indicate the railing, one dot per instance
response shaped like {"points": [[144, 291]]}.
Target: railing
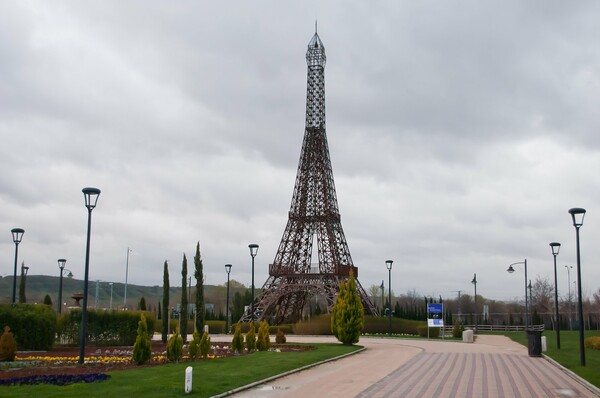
{"points": [[342, 270], [504, 328]]}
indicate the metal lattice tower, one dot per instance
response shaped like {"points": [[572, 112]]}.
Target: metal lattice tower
{"points": [[314, 213]]}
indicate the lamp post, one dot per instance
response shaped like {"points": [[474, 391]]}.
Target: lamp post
{"points": [[17, 235], [510, 271], [61, 265], [253, 250], [555, 246], [91, 198], [228, 270], [569, 267], [23, 283], [382, 302], [578, 214], [126, 276], [111, 291], [388, 265], [474, 282]]}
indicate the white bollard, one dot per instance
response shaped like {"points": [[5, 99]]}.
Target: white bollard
{"points": [[206, 328], [544, 346], [467, 336], [188, 380]]}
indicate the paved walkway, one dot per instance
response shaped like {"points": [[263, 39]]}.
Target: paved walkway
{"points": [[494, 366]]}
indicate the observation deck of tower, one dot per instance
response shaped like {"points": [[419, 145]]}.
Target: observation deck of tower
{"points": [[314, 215]]}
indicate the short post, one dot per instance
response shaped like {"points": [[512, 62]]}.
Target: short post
{"points": [[188, 380]]}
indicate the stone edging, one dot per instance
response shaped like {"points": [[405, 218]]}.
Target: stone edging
{"points": [[592, 388], [289, 372]]}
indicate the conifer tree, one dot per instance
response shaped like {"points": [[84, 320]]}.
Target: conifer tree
{"points": [[183, 315], [199, 275], [347, 314], [142, 304], [165, 304], [251, 338], [142, 349], [48, 300]]}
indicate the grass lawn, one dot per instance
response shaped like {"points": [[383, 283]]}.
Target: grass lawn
{"points": [[210, 377], [568, 355]]}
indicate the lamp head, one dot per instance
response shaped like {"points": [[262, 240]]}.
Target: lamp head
{"points": [[510, 269], [555, 248], [228, 268], [17, 234], [70, 275], [25, 269], [388, 264], [253, 249], [91, 197], [577, 214], [474, 281], [61, 263]]}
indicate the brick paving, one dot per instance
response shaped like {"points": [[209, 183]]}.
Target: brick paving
{"points": [[493, 366]]}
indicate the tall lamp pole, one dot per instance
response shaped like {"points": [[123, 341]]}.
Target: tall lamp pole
{"points": [[253, 250], [111, 291], [23, 283], [61, 265], [228, 270], [555, 246], [474, 282], [382, 302], [569, 267], [126, 276], [91, 198], [388, 265], [510, 271], [578, 214], [17, 235]]}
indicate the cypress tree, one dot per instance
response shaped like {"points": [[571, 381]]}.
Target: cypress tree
{"points": [[142, 304], [165, 304], [48, 300], [142, 349], [347, 314], [199, 275], [183, 315]]}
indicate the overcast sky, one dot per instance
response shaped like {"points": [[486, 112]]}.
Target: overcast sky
{"points": [[460, 134]]}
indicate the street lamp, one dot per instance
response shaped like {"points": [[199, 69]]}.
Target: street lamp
{"points": [[228, 270], [578, 214], [23, 283], [474, 282], [61, 265], [91, 198], [253, 250], [555, 246], [510, 271], [382, 302], [126, 275], [388, 265], [17, 235], [111, 291], [569, 268]]}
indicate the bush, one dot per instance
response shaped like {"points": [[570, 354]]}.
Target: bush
{"points": [[251, 339], [433, 332], [457, 330], [237, 343], [347, 314], [175, 347], [286, 329], [8, 345], [194, 348], [264, 340], [32, 325], [204, 345], [592, 342], [280, 337], [380, 325], [142, 349], [216, 327], [317, 325]]}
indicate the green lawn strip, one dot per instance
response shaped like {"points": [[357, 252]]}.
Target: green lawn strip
{"points": [[568, 355], [210, 377]]}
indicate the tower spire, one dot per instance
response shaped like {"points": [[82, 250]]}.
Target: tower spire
{"points": [[295, 276]]}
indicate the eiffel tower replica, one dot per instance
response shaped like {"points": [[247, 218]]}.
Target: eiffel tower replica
{"points": [[293, 279]]}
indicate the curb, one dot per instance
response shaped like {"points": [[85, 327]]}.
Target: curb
{"points": [[592, 388], [289, 372]]}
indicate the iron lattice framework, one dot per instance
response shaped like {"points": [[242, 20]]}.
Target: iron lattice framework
{"points": [[293, 279]]}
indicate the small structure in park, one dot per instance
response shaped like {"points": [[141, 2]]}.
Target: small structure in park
{"points": [[313, 218]]}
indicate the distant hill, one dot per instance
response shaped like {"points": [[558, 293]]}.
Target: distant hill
{"points": [[99, 294]]}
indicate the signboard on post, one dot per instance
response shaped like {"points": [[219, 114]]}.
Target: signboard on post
{"points": [[435, 315]]}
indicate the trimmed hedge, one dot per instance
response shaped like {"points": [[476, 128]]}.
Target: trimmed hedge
{"points": [[434, 333], [32, 325], [104, 327]]}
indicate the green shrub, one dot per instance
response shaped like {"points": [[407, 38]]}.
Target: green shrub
{"points": [[8, 345], [194, 348], [280, 337], [434, 333], [317, 325], [142, 349], [286, 329], [380, 325], [175, 347], [264, 340], [592, 342], [32, 325], [251, 339], [237, 343], [347, 314], [457, 330], [204, 345], [215, 327]]}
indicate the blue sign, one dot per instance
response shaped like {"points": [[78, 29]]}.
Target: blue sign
{"points": [[435, 315]]}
